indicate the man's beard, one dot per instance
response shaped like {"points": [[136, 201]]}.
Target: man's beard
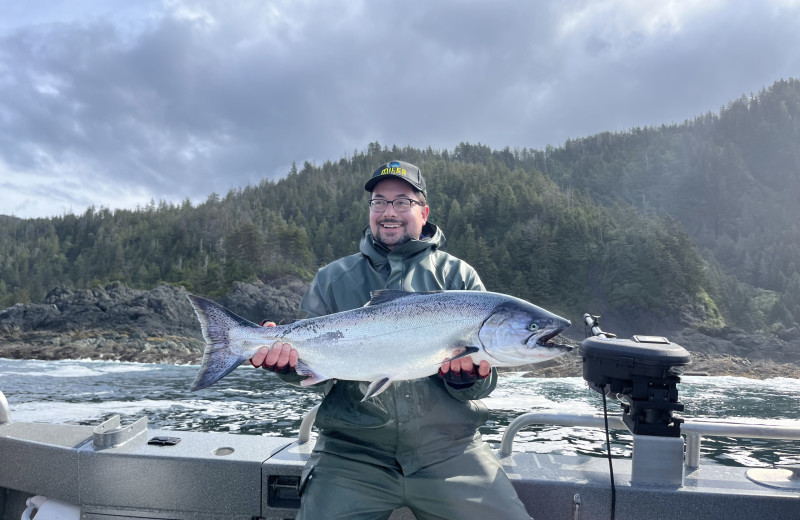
{"points": [[394, 241]]}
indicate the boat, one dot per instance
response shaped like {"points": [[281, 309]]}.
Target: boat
{"points": [[113, 471]]}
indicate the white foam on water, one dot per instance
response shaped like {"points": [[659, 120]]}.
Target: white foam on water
{"points": [[36, 368], [61, 412], [733, 383], [526, 394]]}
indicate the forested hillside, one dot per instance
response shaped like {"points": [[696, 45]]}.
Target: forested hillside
{"points": [[694, 223], [731, 179]]}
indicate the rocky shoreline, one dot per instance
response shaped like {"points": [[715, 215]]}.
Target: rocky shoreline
{"points": [[116, 323]]}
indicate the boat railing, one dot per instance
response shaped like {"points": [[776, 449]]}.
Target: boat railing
{"points": [[5, 411], [305, 427], [694, 430]]}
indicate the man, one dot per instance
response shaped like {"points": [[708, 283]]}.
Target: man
{"points": [[416, 444]]}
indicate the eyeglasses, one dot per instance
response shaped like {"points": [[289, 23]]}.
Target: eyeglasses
{"points": [[400, 205]]}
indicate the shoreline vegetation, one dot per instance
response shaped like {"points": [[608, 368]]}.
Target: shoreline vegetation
{"points": [[116, 323]]}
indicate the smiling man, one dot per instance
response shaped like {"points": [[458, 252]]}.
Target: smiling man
{"points": [[416, 444], [398, 214]]}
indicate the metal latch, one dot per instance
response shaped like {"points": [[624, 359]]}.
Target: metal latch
{"points": [[283, 491], [161, 440]]}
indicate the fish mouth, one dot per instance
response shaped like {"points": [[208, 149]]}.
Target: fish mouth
{"points": [[548, 339]]}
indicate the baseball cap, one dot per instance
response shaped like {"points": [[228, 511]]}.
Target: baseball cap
{"points": [[402, 170]]}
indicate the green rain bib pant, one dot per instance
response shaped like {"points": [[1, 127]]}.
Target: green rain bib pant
{"points": [[471, 485]]}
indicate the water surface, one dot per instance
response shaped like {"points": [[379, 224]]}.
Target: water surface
{"points": [[254, 402]]}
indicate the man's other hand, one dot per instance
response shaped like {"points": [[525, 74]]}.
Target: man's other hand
{"points": [[463, 371], [280, 358]]}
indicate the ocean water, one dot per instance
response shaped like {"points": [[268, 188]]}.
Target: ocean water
{"points": [[254, 402]]}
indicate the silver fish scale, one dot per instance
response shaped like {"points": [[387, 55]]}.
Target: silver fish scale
{"points": [[414, 336]]}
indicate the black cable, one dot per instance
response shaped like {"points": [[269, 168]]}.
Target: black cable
{"points": [[610, 465]]}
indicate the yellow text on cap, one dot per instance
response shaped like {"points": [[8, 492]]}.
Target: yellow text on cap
{"points": [[393, 170]]}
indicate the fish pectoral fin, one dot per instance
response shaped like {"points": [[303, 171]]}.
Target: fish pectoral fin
{"points": [[313, 377], [376, 387], [468, 351]]}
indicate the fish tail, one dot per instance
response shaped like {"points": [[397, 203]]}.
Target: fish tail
{"points": [[218, 358]]}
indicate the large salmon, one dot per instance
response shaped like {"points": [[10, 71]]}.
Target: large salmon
{"points": [[397, 335]]}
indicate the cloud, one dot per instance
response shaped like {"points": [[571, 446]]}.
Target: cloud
{"points": [[114, 107]]}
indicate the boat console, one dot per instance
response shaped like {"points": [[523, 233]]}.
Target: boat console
{"points": [[643, 373]]}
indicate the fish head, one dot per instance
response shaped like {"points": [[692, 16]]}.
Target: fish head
{"points": [[518, 333]]}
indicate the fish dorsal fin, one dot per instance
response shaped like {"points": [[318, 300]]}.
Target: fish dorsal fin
{"points": [[386, 295]]}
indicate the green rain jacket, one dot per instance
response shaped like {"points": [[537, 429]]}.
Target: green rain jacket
{"points": [[413, 423]]}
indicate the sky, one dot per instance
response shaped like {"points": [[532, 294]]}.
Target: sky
{"points": [[114, 103]]}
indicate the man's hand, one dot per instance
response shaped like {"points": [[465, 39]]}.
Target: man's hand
{"points": [[280, 358], [463, 371]]}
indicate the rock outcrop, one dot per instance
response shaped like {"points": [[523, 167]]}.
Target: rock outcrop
{"points": [[116, 322]]}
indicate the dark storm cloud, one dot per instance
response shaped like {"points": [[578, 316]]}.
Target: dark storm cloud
{"points": [[199, 97]]}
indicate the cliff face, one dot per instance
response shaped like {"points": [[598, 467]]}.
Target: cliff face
{"points": [[120, 323]]}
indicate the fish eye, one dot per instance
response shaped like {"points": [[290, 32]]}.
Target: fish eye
{"points": [[533, 327]]}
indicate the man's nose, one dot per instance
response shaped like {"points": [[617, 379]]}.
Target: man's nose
{"points": [[390, 209]]}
